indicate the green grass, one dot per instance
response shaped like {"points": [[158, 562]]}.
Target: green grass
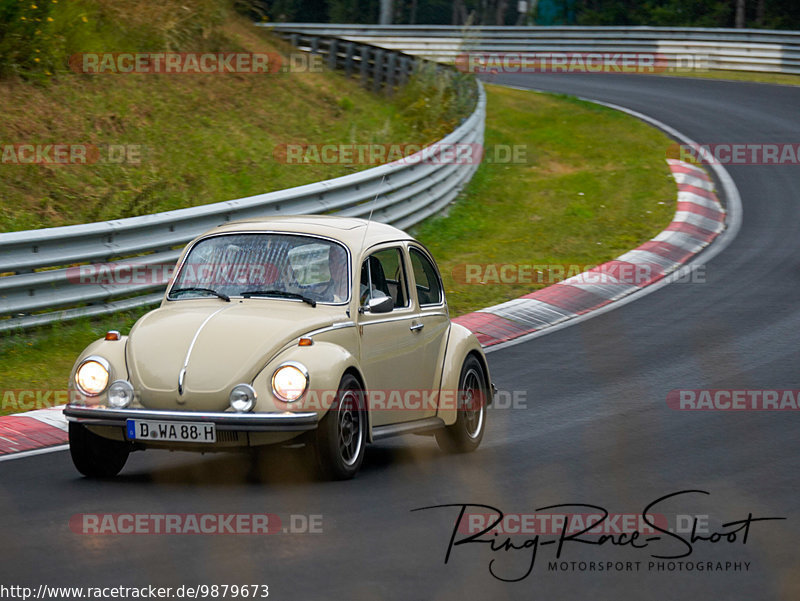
{"points": [[202, 138], [41, 359], [595, 185], [39, 36], [776, 78]]}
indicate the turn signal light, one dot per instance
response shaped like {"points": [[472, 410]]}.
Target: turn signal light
{"points": [[112, 335], [305, 342]]}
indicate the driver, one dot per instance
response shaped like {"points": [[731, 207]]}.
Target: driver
{"points": [[336, 290], [333, 290]]}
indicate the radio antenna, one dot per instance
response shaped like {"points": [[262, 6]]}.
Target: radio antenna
{"points": [[371, 209], [364, 239]]}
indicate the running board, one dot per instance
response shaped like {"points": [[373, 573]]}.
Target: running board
{"points": [[415, 427]]}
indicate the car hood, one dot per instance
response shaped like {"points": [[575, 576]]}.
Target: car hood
{"points": [[220, 344]]}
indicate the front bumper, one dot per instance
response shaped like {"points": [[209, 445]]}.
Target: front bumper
{"points": [[239, 422]]}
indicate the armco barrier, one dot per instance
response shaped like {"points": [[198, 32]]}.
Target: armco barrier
{"points": [[35, 284], [704, 48]]}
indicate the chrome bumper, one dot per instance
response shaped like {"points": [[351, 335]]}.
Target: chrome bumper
{"points": [[240, 422]]}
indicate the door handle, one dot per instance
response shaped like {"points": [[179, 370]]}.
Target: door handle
{"points": [[417, 327]]}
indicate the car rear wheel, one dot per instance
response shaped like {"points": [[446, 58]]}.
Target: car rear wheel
{"points": [[342, 434], [95, 456], [473, 394]]}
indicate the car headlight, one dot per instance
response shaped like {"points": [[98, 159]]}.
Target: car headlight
{"points": [[91, 376], [242, 398], [120, 394], [290, 381]]}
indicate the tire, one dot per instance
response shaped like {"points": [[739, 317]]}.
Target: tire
{"points": [[465, 435], [341, 437], [95, 456]]}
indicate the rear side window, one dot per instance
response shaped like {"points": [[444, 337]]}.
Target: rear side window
{"points": [[429, 286]]}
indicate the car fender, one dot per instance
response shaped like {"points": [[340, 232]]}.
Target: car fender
{"points": [[461, 342], [326, 363]]}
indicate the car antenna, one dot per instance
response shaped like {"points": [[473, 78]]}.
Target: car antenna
{"points": [[364, 239]]}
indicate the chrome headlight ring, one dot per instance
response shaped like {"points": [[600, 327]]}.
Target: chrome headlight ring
{"points": [[93, 375], [290, 381]]}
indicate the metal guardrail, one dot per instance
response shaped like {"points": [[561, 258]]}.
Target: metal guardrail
{"points": [[731, 49], [40, 277]]}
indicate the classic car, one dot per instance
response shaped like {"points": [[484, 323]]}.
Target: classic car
{"points": [[317, 331]]}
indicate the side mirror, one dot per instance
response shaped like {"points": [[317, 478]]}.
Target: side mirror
{"points": [[383, 304]]}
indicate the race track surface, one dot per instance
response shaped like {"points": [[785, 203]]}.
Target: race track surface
{"points": [[596, 430]]}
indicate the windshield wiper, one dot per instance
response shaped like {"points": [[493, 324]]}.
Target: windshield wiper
{"points": [[224, 297], [282, 293]]}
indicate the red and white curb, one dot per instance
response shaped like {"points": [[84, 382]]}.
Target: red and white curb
{"points": [[32, 430], [699, 219]]}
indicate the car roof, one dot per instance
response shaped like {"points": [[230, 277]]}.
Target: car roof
{"points": [[349, 230]]}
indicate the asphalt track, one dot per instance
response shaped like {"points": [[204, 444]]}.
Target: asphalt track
{"points": [[596, 430]]}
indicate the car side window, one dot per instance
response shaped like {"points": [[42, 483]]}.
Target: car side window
{"points": [[383, 274], [429, 287]]}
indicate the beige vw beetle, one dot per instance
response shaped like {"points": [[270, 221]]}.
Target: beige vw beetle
{"points": [[328, 331]]}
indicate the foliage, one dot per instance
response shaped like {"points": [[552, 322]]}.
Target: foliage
{"points": [[435, 100], [37, 37], [777, 14]]}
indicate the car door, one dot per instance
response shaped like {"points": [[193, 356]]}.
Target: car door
{"points": [[391, 351], [432, 315]]}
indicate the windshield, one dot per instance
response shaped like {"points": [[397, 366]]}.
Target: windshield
{"points": [[281, 266]]}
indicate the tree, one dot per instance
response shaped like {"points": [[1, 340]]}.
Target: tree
{"points": [[740, 6]]}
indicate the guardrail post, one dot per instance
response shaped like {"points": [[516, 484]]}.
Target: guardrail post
{"points": [[348, 59], [364, 52], [314, 45], [332, 54], [405, 70], [377, 71], [391, 65]]}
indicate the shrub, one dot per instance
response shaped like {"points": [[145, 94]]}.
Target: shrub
{"points": [[40, 35]]}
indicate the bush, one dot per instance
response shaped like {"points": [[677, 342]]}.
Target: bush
{"points": [[436, 100], [41, 35]]}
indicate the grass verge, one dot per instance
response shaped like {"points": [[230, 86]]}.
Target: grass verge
{"points": [[786, 79], [594, 185], [169, 141]]}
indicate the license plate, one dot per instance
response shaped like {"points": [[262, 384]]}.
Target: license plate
{"points": [[140, 429]]}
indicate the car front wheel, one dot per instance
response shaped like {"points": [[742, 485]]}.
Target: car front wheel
{"points": [[342, 433], [95, 456], [473, 394]]}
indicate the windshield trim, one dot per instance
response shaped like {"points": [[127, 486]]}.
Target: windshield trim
{"points": [[191, 246]]}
